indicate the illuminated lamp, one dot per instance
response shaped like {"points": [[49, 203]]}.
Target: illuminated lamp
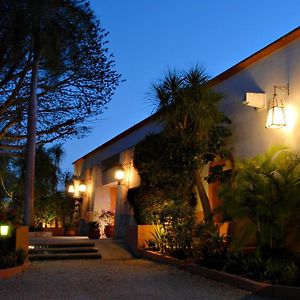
{"points": [[82, 187], [71, 189], [119, 174], [276, 117], [4, 230]]}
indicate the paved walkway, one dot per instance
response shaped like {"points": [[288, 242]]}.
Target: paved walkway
{"points": [[116, 276]]}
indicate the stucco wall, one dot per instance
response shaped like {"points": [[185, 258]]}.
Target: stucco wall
{"points": [[119, 146], [248, 128]]}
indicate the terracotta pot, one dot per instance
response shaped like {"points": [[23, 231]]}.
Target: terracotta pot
{"points": [[70, 232], [94, 233], [109, 231]]}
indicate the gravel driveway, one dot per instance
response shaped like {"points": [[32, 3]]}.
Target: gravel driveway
{"points": [[113, 279]]}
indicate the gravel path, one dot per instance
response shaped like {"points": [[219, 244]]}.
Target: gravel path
{"points": [[113, 279]]}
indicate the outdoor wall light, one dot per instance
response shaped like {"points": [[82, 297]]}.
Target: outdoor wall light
{"points": [[4, 230], [82, 187], [77, 187], [71, 189], [276, 117], [119, 174]]}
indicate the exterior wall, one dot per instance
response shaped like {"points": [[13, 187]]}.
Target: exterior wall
{"points": [[101, 185], [82, 165], [249, 135]]}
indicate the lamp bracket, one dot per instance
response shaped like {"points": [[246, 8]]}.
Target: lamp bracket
{"points": [[284, 88]]}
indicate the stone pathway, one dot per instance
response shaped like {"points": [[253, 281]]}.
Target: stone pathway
{"points": [[116, 276]]}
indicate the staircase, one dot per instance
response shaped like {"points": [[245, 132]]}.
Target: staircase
{"points": [[50, 250]]}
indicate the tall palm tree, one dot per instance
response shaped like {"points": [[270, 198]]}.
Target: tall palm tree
{"points": [[188, 109]]}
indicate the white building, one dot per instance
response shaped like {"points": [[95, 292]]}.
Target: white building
{"points": [[278, 64]]}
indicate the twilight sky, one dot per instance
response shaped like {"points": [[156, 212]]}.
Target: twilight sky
{"points": [[149, 37]]}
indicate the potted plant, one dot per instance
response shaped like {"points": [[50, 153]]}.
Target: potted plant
{"points": [[94, 232], [106, 219], [70, 229]]}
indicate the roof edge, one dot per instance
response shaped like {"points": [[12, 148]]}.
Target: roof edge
{"points": [[267, 50], [118, 137]]}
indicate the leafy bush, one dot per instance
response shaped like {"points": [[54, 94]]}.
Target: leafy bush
{"points": [[281, 271], [265, 190], [8, 261], [178, 223], [20, 256], [275, 270], [12, 259], [147, 204], [214, 250], [158, 242]]}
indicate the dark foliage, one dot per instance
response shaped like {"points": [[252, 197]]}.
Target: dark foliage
{"points": [[76, 72]]}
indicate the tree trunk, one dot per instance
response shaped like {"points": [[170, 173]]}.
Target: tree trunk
{"points": [[203, 198], [31, 146], [36, 10]]}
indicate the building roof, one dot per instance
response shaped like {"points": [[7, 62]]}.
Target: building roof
{"points": [[264, 52]]}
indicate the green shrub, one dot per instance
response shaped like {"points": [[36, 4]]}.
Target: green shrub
{"points": [[20, 256], [265, 190], [8, 260], [281, 271], [178, 223], [215, 249]]}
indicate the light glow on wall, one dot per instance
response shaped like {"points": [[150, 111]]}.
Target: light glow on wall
{"points": [[291, 118]]}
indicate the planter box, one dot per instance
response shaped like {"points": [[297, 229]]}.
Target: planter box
{"points": [[137, 235], [9, 272], [22, 238]]}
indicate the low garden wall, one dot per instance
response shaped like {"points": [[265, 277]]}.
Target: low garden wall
{"points": [[22, 237], [9, 272], [18, 241], [259, 288], [137, 235]]}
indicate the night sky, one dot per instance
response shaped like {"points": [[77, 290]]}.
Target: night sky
{"points": [[150, 37]]}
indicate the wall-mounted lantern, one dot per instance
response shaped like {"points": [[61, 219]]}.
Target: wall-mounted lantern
{"points": [[276, 117], [119, 174], [77, 188], [82, 187], [71, 189]]}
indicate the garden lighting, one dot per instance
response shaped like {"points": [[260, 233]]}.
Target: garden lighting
{"points": [[4, 230]]}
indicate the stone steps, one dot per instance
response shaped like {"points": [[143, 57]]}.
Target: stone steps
{"points": [[47, 250], [63, 250]]}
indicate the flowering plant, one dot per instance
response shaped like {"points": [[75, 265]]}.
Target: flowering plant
{"points": [[97, 219], [106, 217]]}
